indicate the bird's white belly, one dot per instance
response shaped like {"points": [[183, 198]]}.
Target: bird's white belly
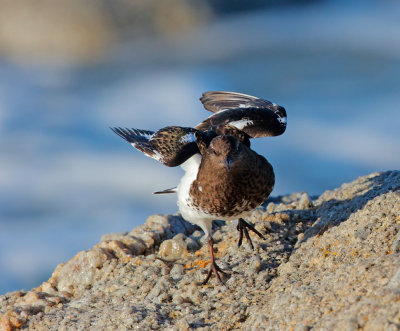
{"points": [[188, 211]]}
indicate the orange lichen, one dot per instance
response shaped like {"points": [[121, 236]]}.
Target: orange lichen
{"points": [[199, 263], [126, 259], [328, 252], [11, 320], [203, 263]]}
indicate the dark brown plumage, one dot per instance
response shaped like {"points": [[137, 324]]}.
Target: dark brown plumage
{"points": [[232, 178]]}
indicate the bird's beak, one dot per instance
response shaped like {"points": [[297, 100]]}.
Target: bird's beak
{"points": [[228, 162]]}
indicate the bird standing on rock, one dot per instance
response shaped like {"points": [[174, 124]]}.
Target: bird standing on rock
{"points": [[224, 179]]}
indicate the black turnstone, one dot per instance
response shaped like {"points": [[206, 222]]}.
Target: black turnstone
{"points": [[224, 179]]}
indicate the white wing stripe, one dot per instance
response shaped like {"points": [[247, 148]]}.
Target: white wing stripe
{"points": [[240, 124], [187, 138]]}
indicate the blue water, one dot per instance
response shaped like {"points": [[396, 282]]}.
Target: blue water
{"points": [[66, 179]]}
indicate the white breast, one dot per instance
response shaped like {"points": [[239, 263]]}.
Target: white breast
{"points": [[188, 211]]}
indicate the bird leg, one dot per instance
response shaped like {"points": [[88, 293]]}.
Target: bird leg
{"points": [[242, 227], [213, 267]]}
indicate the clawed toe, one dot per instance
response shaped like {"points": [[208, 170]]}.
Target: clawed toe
{"points": [[242, 228], [214, 268]]}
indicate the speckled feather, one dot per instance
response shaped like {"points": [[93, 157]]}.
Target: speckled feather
{"points": [[171, 145]]}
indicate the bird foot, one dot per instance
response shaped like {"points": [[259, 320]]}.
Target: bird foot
{"points": [[214, 268], [242, 228]]}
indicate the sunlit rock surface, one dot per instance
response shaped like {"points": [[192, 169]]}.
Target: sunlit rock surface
{"points": [[330, 263]]}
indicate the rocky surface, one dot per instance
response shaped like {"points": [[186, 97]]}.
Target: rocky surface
{"points": [[330, 263]]}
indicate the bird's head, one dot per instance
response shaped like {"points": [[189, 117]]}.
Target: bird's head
{"points": [[224, 149]]}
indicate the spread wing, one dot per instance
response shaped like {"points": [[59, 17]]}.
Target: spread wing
{"points": [[171, 145], [254, 116], [216, 101]]}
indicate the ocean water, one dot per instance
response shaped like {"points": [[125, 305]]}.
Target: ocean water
{"points": [[66, 179]]}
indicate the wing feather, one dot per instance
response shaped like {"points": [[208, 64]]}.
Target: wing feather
{"points": [[171, 145], [254, 116], [216, 101]]}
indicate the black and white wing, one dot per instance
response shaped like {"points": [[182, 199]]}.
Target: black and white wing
{"points": [[171, 145], [254, 116]]}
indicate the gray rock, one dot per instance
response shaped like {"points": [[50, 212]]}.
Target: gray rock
{"points": [[328, 264], [177, 272], [396, 243]]}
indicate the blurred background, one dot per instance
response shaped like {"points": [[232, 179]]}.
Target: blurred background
{"points": [[69, 69]]}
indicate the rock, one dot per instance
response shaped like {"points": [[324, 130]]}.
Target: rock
{"points": [[177, 272], [396, 243], [182, 325], [173, 249], [192, 244], [80, 272], [305, 201], [330, 263]]}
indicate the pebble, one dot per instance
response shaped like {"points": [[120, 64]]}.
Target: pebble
{"points": [[173, 249]]}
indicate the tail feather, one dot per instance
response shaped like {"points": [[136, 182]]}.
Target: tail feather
{"points": [[169, 190]]}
